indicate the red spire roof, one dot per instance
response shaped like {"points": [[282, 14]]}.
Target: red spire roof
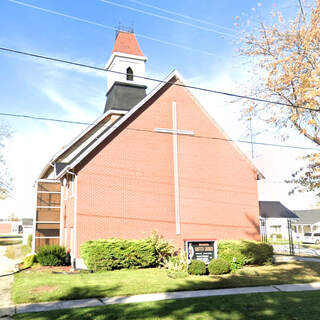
{"points": [[127, 43]]}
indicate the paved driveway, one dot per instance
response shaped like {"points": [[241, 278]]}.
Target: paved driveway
{"points": [[284, 248]]}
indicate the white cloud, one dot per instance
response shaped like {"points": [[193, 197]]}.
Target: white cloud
{"points": [[72, 109]]}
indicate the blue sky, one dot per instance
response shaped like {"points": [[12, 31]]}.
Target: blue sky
{"points": [[45, 89]]}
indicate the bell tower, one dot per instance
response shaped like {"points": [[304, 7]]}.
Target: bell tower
{"points": [[126, 58]]}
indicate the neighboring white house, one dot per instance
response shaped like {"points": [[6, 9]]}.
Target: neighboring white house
{"points": [[309, 221], [27, 225], [275, 220]]}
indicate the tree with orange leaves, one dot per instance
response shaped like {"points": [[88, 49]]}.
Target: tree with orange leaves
{"points": [[287, 59]]}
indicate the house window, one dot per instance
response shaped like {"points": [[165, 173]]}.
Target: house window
{"points": [[129, 74], [276, 229]]}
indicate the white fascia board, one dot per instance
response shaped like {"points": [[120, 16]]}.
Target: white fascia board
{"points": [[116, 125], [124, 55], [72, 142]]}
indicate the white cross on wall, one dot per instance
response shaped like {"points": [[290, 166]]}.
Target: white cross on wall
{"points": [[175, 131]]}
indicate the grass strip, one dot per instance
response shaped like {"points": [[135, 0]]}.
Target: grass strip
{"points": [[266, 306], [37, 286]]}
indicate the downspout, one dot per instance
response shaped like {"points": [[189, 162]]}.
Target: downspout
{"points": [[35, 219], [75, 198]]}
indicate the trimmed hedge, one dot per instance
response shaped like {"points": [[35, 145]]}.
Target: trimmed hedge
{"points": [[51, 255], [218, 266], [258, 253], [275, 235], [197, 267], [245, 252], [113, 254]]}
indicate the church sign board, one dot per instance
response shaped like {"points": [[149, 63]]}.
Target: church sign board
{"points": [[204, 250]]}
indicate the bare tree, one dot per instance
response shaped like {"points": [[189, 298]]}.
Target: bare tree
{"points": [[6, 186]]}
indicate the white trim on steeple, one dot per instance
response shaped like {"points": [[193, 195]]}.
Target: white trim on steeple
{"points": [[120, 62], [124, 55]]}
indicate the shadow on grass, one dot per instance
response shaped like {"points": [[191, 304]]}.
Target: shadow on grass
{"points": [[87, 292], [286, 306], [277, 306]]}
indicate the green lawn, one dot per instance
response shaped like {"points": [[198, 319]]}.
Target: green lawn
{"points": [[266, 306], [37, 286]]}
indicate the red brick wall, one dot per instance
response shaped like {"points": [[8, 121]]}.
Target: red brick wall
{"points": [[126, 189]]}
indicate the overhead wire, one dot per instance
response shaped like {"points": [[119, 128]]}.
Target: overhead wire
{"points": [[178, 14], [229, 94], [139, 35], [168, 19], [236, 140], [42, 118], [146, 130]]}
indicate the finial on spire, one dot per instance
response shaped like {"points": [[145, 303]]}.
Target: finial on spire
{"points": [[123, 28]]}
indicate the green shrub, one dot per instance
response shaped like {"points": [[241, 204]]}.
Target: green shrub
{"points": [[230, 251], [113, 254], [275, 235], [259, 253], [28, 261], [240, 253], [163, 249], [197, 267], [51, 255], [177, 263], [29, 241], [218, 266]]}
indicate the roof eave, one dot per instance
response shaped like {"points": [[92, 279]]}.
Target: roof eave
{"points": [[72, 142], [117, 124]]}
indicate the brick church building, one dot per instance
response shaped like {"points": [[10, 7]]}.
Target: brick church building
{"points": [[153, 161]]}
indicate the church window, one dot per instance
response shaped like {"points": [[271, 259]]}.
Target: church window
{"points": [[129, 74]]}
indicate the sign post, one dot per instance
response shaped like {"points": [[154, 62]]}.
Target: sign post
{"points": [[203, 250]]}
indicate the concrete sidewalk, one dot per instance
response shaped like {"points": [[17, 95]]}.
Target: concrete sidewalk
{"points": [[70, 304], [7, 266]]}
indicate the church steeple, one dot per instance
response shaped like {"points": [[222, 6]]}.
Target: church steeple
{"points": [[126, 42], [126, 58], [125, 89]]}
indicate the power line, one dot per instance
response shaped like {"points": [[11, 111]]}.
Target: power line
{"points": [[168, 43], [146, 130], [167, 18], [240, 141], [41, 118], [229, 94], [181, 15]]}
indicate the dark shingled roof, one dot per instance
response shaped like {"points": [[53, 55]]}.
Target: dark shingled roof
{"points": [[308, 216], [275, 209], [27, 222], [124, 96]]}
